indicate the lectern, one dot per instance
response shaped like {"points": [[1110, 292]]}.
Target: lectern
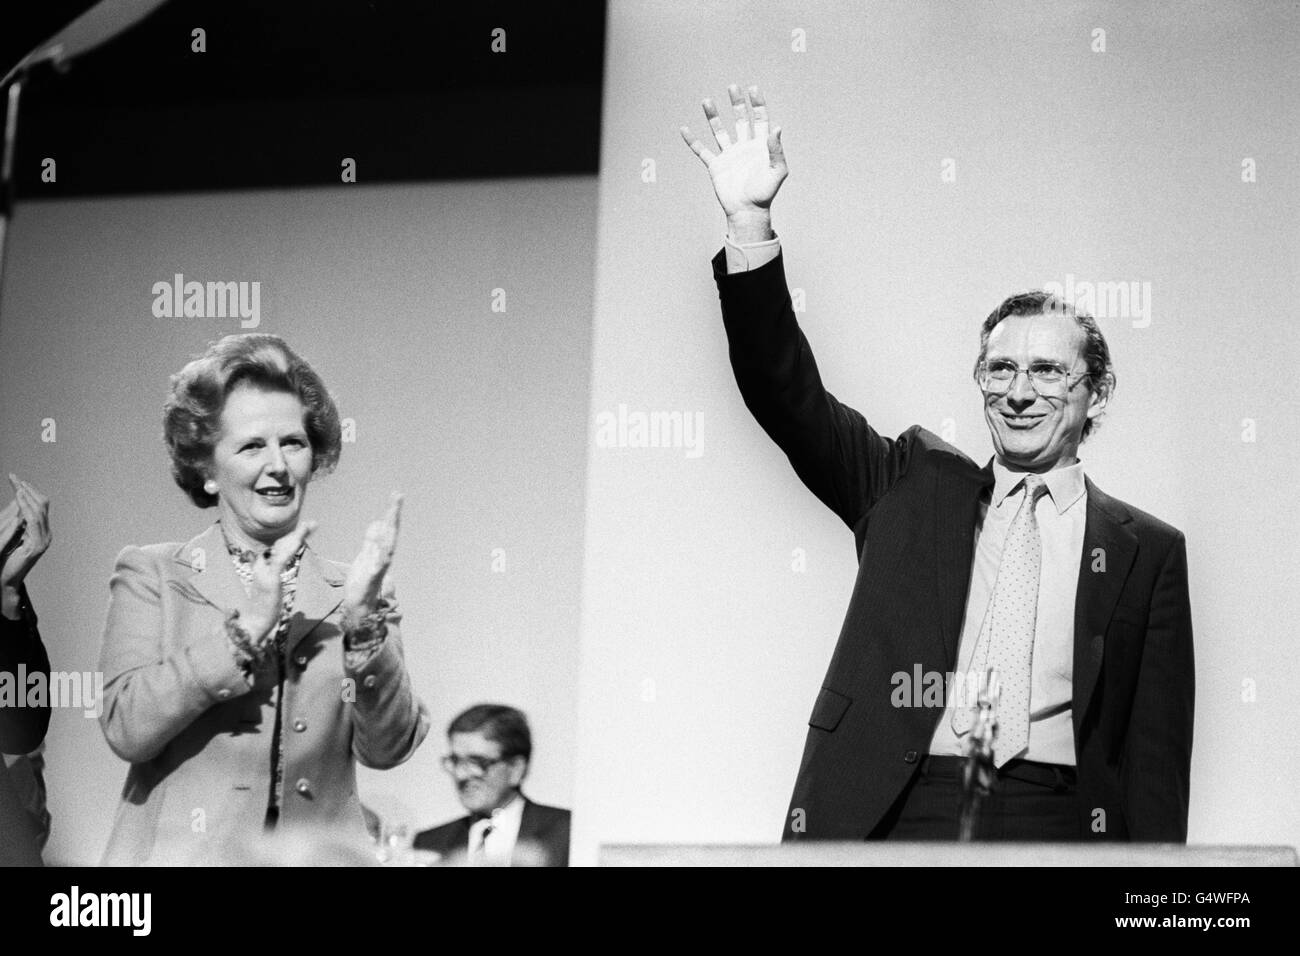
{"points": [[819, 853]]}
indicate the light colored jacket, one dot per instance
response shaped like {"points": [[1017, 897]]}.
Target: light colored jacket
{"points": [[198, 738]]}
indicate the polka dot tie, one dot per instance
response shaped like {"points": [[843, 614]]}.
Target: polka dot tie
{"points": [[1006, 641]]}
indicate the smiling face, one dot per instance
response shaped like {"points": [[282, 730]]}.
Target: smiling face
{"points": [[482, 791], [261, 464], [1032, 432]]}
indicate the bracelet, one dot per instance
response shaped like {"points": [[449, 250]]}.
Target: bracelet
{"points": [[249, 654], [367, 631], [364, 636]]}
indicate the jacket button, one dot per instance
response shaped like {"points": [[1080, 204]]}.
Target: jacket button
{"points": [[300, 725], [909, 757], [370, 681], [301, 660], [303, 786]]}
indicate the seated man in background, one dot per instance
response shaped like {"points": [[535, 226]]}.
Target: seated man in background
{"points": [[490, 750]]}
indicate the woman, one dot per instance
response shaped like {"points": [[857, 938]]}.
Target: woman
{"points": [[243, 673]]}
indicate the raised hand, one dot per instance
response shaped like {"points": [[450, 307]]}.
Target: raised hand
{"points": [[266, 590], [748, 172], [365, 580], [27, 518]]}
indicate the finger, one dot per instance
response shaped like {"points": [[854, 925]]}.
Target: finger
{"points": [[38, 507], [715, 123], [394, 516], [39, 498], [37, 535], [742, 113], [776, 155], [36, 517], [288, 546], [696, 146], [759, 105], [27, 507]]}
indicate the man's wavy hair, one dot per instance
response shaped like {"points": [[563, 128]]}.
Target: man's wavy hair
{"points": [[192, 415], [506, 725], [1096, 353]]}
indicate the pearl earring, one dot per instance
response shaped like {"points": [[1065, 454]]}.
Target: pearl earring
{"points": [[210, 486]]}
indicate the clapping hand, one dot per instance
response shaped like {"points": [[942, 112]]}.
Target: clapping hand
{"points": [[24, 522], [748, 172], [361, 591], [266, 591]]}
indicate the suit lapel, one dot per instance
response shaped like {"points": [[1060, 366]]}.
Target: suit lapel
{"points": [[214, 575], [957, 498], [527, 829], [457, 837], [527, 821], [1109, 547]]}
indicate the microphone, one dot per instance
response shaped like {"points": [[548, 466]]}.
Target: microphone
{"points": [[978, 773], [96, 26]]}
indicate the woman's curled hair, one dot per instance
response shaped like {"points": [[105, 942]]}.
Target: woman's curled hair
{"points": [[192, 415]]}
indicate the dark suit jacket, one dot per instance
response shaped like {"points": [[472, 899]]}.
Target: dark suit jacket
{"points": [[542, 826], [913, 503], [21, 730]]}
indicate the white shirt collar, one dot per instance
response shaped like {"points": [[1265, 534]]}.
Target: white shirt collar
{"points": [[1065, 485]]}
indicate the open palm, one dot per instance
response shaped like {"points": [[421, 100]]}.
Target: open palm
{"points": [[266, 588], [361, 591], [746, 171]]}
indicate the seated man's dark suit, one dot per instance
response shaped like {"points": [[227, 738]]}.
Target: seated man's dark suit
{"points": [[22, 729], [913, 505], [542, 827]]}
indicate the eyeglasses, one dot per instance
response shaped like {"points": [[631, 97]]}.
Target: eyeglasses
{"points": [[1046, 378], [477, 766]]}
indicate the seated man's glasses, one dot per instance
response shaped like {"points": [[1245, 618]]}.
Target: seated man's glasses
{"points": [[1047, 378], [476, 766]]}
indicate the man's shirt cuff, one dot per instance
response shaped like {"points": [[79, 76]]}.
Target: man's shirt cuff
{"points": [[745, 256]]}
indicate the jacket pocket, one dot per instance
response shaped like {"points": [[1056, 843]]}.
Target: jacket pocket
{"points": [[829, 709], [186, 591]]}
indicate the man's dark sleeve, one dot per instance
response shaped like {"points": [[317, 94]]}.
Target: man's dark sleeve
{"points": [[1158, 758], [841, 458], [22, 728]]}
